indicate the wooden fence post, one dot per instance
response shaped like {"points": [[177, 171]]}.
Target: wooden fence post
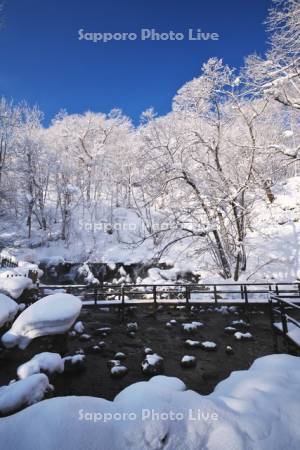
{"points": [[272, 320], [215, 295], [187, 297], [246, 302], [283, 323], [154, 297], [123, 302]]}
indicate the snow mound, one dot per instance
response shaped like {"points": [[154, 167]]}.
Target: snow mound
{"points": [[42, 362], [8, 309], [255, 409], [14, 286], [54, 314], [23, 393]]}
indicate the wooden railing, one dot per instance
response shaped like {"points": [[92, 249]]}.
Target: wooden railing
{"points": [[288, 327], [190, 294]]}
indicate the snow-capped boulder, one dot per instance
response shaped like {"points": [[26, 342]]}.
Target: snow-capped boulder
{"points": [[132, 326], [23, 393], [208, 346], [118, 371], [54, 314], [120, 356], [188, 361], [191, 327], [153, 364], [230, 330], [14, 286], [243, 336], [189, 343], [8, 309], [42, 362], [74, 364], [229, 350]]}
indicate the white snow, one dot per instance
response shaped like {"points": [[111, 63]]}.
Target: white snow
{"points": [[46, 362], [255, 409], [22, 393], [54, 314], [8, 309]]}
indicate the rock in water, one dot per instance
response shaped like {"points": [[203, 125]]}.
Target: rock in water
{"points": [[54, 314], [188, 361], [153, 364], [74, 364], [118, 371]]}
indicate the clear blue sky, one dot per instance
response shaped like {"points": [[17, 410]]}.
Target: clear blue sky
{"points": [[43, 62]]}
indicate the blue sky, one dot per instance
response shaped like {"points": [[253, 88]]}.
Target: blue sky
{"points": [[43, 62]]}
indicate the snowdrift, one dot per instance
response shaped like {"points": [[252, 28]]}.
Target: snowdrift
{"points": [[254, 409]]}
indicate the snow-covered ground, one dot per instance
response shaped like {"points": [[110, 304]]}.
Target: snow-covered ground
{"points": [[257, 409]]}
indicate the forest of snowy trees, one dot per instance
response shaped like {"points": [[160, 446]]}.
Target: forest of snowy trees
{"points": [[193, 173]]}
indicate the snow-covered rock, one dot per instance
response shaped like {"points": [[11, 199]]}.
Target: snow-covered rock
{"points": [[85, 272], [243, 336], [14, 286], [74, 364], [120, 355], [54, 314], [208, 345], [23, 393], [153, 364], [118, 371], [188, 361], [79, 327], [8, 309], [255, 409], [189, 343], [42, 362], [191, 327], [132, 326], [229, 350], [230, 330]]}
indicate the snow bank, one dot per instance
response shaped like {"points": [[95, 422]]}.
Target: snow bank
{"points": [[54, 314], [257, 409], [45, 362], [8, 309], [23, 393]]}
